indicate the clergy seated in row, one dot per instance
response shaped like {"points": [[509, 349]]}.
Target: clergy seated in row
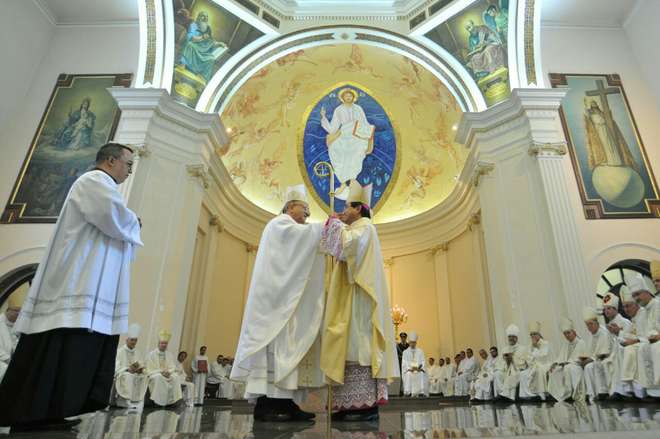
{"points": [[164, 381], [598, 360], [8, 337], [216, 376], [649, 350], [413, 366], [200, 370], [231, 389], [533, 379], [566, 377], [449, 377], [507, 376], [187, 386], [130, 384], [482, 386], [467, 372]]}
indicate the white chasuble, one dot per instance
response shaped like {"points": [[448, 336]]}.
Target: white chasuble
{"points": [[566, 377], [84, 277], [129, 386], [435, 374], [283, 312], [163, 390], [357, 327], [413, 366]]}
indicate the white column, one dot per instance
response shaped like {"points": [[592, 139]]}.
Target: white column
{"points": [[443, 296], [535, 261], [166, 191]]}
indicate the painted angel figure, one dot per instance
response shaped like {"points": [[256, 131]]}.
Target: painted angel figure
{"points": [[350, 138]]}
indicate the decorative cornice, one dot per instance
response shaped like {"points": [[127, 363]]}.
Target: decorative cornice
{"points": [[388, 262], [474, 220], [140, 149], [444, 247], [482, 168], [214, 221], [548, 149], [201, 173], [251, 248], [290, 13]]}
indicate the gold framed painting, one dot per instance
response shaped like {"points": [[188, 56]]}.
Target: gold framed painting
{"points": [[79, 118], [612, 169]]}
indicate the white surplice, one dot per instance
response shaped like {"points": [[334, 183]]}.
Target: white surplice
{"points": [[187, 386], [84, 277], [414, 382], [130, 388], [8, 342], [566, 379], [482, 387], [163, 390], [469, 369], [283, 313], [533, 381], [434, 375], [199, 377]]}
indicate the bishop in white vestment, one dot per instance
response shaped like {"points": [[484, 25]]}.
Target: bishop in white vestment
{"points": [[200, 370], [130, 373], [187, 386], [566, 377], [533, 380], [164, 381], [8, 336], [413, 368], [278, 350], [358, 353], [482, 388], [469, 371], [598, 359], [649, 351], [507, 374], [434, 373], [77, 304], [630, 341]]}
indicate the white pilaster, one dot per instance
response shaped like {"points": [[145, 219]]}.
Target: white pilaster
{"points": [[535, 260], [166, 191], [443, 296]]}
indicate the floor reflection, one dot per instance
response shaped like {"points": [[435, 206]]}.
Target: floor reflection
{"points": [[413, 420]]}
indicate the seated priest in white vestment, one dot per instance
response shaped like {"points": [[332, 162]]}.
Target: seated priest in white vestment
{"points": [[434, 373], [617, 325], [77, 304], [413, 366], [630, 341], [649, 350], [445, 375], [566, 377], [130, 375], [277, 357], [482, 386], [164, 381], [507, 376], [449, 377], [597, 361], [187, 386], [8, 337], [217, 374], [533, 380], [200, 369], [468, 372]]}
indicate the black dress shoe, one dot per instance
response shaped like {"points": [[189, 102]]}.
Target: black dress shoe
{"points": [[274, 417], [52, 425], [300, 415]]}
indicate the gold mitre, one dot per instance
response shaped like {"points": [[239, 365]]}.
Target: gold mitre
{"points": [[347, 90], [359, 194], [164, 335], [655, 270], [296, 193]]}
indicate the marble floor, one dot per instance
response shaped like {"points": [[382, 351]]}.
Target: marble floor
{"points": [[402, 418]]}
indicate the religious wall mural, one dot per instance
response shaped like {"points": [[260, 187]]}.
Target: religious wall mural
{"points": [[612, 170], [206, 35], [477, 38], [349, 130], [80, 117], [375, 115]]}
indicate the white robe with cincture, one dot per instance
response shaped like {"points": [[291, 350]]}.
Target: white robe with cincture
{"points": [[131, 387], [566, 379], [163, 391], [83, 279], [414, 383], [283, 313]]}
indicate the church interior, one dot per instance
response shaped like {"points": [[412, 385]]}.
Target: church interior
{"points": [[511, 148]]}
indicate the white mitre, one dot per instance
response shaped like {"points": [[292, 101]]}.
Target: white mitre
{"points": [[637, 282], [296, 193], [134, 331], [359, 194], [566, 325], [610, 299], [512, 330], [534, 327], [626, 295], [412, 336], [589, 313]]}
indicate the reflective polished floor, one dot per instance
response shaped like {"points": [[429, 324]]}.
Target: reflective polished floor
{"points": [[402, 418]]}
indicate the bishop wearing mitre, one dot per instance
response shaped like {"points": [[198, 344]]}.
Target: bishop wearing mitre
{"points": [[358, 354], [277, 354], [164, 381], [130, 373]]}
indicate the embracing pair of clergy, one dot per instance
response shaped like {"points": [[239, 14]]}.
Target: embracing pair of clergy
{"points": [[294, 338]]}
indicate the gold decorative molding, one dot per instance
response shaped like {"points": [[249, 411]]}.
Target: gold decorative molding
{"points": [[201, 173], [548, 149], [388, 262], [474, 220], [251, 248], [214, 221], [482, 168], [140, 149], [444, 247]]}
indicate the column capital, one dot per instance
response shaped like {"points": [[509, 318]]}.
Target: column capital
{"points": [[481, 168], [548, 149], [214, 221], [200, 172]]}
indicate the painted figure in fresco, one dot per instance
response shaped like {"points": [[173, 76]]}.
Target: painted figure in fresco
{"points": [[200, 50], [607, 145], [486, 50], [497, 20], [350, 138], [77, 130]]}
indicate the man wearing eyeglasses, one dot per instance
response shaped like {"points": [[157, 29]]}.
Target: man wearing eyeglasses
{"points": [[278, 350], [77, 305]]}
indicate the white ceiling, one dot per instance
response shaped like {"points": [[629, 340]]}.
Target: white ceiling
{"points": [[89, 12], [587, 13]]}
